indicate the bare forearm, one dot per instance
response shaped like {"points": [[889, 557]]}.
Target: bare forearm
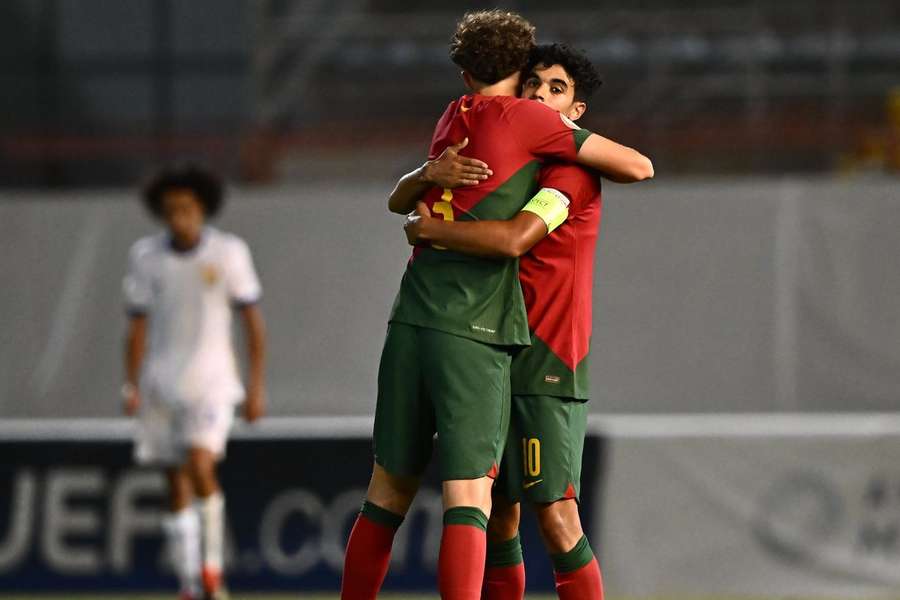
{"points": [[489, 239], [408, 191], [256, 346], [134, 357], [449, 170], [616, 162], [134, 349]]}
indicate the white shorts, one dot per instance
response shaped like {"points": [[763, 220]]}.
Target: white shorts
{"points": [[165, 432]]}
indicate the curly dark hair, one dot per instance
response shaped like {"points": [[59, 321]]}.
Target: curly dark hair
{"points": [[491, 45], [205, 184], [576, 63]]}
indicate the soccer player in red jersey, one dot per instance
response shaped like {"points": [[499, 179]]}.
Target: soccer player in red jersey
{"points": [[445, 365], [555, 234]]}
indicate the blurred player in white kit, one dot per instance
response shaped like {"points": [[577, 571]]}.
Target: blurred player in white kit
{"points": [[182, 377]]}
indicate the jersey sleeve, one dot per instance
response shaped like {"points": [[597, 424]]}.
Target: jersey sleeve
{"points": [[136, 287], [243, 283], [545, 132], [567, 179], [441, 129]]}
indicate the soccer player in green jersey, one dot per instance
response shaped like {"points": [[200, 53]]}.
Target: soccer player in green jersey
{"points": [[549, 379], [445, 364]]}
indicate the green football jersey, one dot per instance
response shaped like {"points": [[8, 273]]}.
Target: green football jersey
{"points": [[473, 297]]}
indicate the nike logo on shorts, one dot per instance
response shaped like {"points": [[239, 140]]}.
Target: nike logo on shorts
{"points": [[529, 484]]}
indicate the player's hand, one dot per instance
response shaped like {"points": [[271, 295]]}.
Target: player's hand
{"points": [[416, 224], [132, 402], [254, 407], [450, 170]]}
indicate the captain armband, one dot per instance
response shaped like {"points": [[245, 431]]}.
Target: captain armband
{"points": [[551, 205]]}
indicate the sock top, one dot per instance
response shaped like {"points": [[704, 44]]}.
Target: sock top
{"points": [[507, 553], [381, 516], [466, 515], [575, 558]]}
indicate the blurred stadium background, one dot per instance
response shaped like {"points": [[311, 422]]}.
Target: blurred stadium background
{"points": [[745, 432]]}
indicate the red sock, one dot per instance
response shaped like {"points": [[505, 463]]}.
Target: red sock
{"points": [[581, 584], [366, 560], [461, 562], [504, 583]]}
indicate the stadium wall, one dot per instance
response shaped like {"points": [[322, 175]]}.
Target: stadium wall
{"points": [[747, 506], [76, 515], [711, 295], [759, 506]]}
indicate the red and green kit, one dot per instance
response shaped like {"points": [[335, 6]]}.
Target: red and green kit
{"points": [[469, 296], [445, 364], [548, 415], [557, 278]]}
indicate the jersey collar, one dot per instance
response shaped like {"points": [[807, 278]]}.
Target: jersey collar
{"points": [[170, 242]]}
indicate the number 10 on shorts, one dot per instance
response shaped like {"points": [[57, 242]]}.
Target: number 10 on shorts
{"points": [[531, 456]]}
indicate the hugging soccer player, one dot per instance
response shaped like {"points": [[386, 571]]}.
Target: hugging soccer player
{"points": [[555, 234], [182, 377], [446, 359]]}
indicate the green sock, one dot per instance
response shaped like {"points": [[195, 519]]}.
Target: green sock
{"points": [[504, 554], [466, 515], [574, 559], [379, 515]]}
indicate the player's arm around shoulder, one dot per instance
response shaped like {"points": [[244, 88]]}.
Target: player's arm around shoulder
{"points": [[616, 162], [449, 170], [547, 133]]}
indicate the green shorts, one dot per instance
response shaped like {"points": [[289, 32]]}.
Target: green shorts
{"points": [[434, 382], [542, 459]]}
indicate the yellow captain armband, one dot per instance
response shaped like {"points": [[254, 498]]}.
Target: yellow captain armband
{"points": [[551, 206]]}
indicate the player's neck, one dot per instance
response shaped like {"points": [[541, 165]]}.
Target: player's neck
{"points": [[184, 245], [504, 87]]}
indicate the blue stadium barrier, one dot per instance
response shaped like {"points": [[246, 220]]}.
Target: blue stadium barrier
{"points": [[77, 515]]}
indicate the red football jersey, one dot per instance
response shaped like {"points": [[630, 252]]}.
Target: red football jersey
{"points": [[557, 278], [470, 296]]}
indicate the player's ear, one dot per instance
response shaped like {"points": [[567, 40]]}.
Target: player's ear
{"points": [[576, 110], [467, 79]]}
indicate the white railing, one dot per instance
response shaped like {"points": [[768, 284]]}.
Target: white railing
{"points": [[619, 426]]}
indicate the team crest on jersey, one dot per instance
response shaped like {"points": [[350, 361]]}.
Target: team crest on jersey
{"points": [[210, 274], [569, 122]]}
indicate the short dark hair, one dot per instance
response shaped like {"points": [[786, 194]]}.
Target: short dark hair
{"points": [[576, 63], [205, 184], [491, 45]]}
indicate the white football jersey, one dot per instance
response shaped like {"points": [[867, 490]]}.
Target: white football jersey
{"points": [[188, 299]]}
